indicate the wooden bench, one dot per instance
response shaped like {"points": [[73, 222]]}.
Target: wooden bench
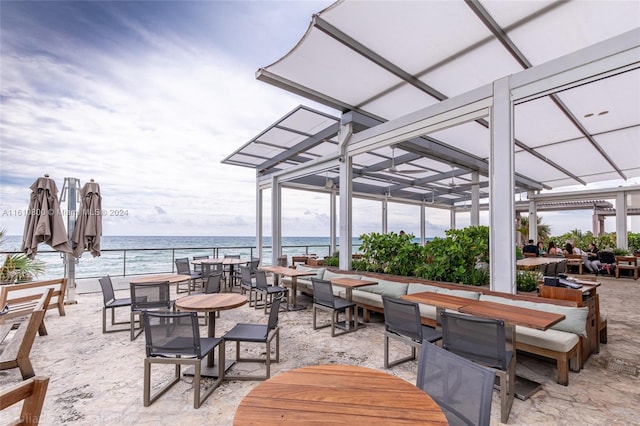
{"points": [[23, 298], [627, 263], [32, 392], [570, 359], [575, 260], [16, 353]]}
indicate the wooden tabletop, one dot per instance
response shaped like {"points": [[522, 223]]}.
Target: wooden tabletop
{"points": [[283, 270], [172, 278], [210, 302], [337, 394], [537, 261], [445, 301], [515, 315], [351, 282]]}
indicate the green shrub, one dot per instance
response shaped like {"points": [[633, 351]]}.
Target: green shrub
{"points": [[333, 260], [454, 258], [388, 253], [633, 240]]}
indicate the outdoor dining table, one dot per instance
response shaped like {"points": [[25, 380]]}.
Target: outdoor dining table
{"points": [[440, 301], [529, 263], [210, 303], [349, 284], [337, 394], [512, 315], [172, 278], [229, 261], [293, 274]]}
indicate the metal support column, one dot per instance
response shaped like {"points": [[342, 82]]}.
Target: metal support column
{"points": [[385, 214], [332, 222], [70, 190], [276, 220], [346, 197], [501, 181], [475, 199], [621, 220], [258, 220]]}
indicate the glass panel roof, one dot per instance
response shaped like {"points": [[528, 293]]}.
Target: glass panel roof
{"points": [[423, 52]]}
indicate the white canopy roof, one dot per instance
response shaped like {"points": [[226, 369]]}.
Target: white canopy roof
{"points": [[383, 60]]}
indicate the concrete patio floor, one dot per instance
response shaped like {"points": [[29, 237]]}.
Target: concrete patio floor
{"points": [[96, 379]]}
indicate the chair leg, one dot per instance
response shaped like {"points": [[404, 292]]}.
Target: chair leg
{"points": [[113, 321], [25, 367], [268, 359], [134, 335], [149, 399], [389, 364]]}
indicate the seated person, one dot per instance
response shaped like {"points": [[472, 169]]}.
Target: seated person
{"points": [[568, 249], [591, 262], [531, 248], [541, 250], [553, 250]]}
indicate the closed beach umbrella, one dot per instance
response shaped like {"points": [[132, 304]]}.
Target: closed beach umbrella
{"points": [[44, 223], [88, 229]]}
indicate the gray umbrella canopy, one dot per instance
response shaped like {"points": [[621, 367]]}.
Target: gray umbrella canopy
{"points": [[88, 229], [44, 223]]}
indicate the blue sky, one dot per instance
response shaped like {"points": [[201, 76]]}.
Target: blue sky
{"points": [[147, 97]]}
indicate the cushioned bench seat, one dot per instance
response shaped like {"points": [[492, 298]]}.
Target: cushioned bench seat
{"points": [[560, 343]]}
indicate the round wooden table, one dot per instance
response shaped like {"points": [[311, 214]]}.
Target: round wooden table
{"points": [[210, 303], [340, 394]]}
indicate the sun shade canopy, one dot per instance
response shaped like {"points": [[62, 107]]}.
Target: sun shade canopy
{"points": [[380, 61]]}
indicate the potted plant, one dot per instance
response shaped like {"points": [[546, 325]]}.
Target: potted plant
{"points": [[18, 267]]}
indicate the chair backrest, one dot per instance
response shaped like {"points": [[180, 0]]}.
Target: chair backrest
{"points": [[402, 317], [561, 267], [150, 295], [606, 257], [543, 269], [210, 268], [479, 339], [245, 275], [273, 314], [172, 334], [253, 265], [283, 261], [107, 289], [261, 279], [551, 269], [322, 292], [182, 266], [460, 387], [200, 267], [530, 255], [232, 256], [213, 283]]}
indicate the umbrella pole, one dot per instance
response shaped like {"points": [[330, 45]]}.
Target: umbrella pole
{"points": [[72, 185]]}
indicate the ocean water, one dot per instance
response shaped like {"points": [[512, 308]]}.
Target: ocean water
{"points": [[121, 255]]}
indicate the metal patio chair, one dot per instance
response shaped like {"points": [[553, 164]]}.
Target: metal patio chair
{"points": [[257, 333], [174, 338], [110, 302], [484, 341], [402, 322], [461, 387], [324, 299]]}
